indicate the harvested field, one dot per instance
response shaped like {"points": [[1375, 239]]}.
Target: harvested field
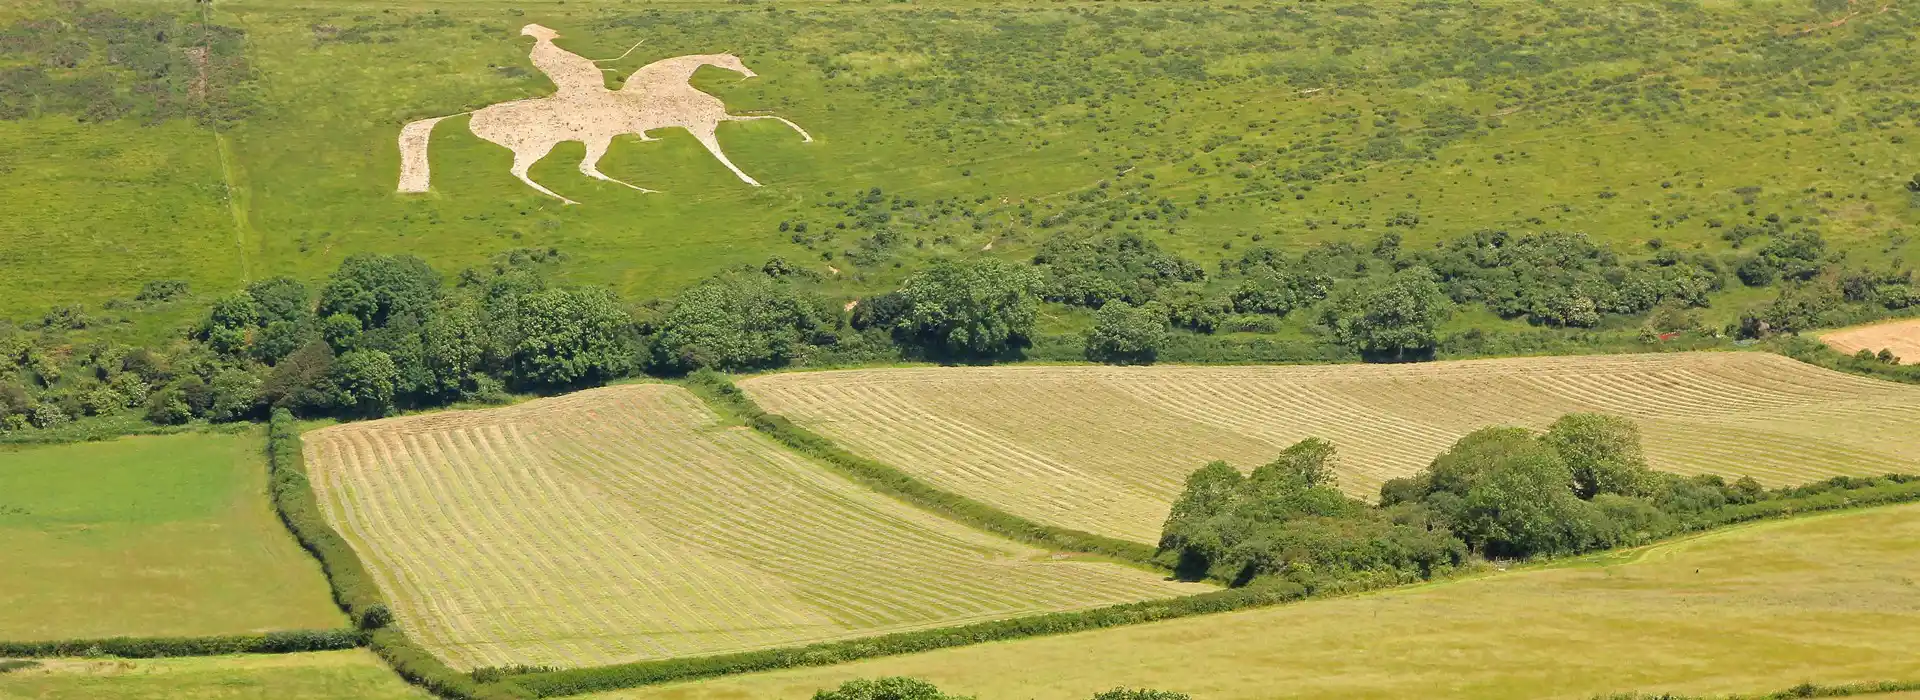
{"points": [[1105, 449], [1755, 609], [1902, 337], [628, 523]]}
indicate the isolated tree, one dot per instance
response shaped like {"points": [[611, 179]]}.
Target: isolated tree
{"points": [[979, 308], [1125, 334], [1393, 315]]}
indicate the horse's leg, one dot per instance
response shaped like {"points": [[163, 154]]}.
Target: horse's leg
{"points": [[524, 157], [804, 136], [704, 134], [590, 165]]}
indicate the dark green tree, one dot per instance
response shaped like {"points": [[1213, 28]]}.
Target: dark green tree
{"points": [[740, 320], [364, 382], [1603, 453], [569, 337], [376, 288], [1124, 334], [281, 300], [1390, 316], [970, 308]]}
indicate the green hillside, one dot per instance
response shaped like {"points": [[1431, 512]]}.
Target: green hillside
{"points": [[1205, 128]]}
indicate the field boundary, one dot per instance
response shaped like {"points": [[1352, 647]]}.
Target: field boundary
{"points": [[281, 642], [545, 684], [727, 399], [1804, 690], [353, 587]]}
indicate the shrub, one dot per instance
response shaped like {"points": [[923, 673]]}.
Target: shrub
{"points": [[895, 688]]}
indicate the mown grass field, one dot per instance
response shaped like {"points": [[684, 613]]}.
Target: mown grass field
{"points": [[1827, 599], [149, 536], [1106, 449], [629, 523], [331, 675], [986, 122], [1900, 337]]}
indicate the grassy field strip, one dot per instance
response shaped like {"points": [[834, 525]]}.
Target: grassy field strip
{"points": [[1105, 449], [1827, 599], [328, 675], [627, 523], [157, 536]]}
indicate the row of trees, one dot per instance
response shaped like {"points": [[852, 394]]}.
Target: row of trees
{"points": [[1582, 485]]}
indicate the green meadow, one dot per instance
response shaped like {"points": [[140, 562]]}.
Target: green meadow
{"points": [[149, 536], [329, 675], [1204, 127]]}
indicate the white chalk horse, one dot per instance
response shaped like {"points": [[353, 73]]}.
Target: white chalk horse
{"points": [[656, 96]]}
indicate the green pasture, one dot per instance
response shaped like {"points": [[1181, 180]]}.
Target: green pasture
{"points": [[329, 675], [149, 536], [987, 123]]}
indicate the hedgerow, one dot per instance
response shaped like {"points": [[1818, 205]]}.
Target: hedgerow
{"points": [[727, 397], [283, 642], [602, 678], [353, 587]]}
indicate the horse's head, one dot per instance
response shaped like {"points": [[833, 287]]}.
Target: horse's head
{"points": [[538, 32], [730, 62]]}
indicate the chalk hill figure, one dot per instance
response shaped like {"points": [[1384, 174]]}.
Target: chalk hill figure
{"points": [[656, 96]]}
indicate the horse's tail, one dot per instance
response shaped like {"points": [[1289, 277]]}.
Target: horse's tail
{"points": [[413, 153]]}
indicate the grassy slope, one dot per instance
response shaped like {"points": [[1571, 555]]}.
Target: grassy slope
{"points": [[149, 536], [1019, 105], [1827, 599], [333, 675]]}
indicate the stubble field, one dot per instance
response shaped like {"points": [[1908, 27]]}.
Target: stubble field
{"points": [[1106, 449], [1900, 337], [629, 523]]}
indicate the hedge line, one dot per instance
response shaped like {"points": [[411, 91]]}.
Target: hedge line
{"points": [[602, 678], [729, 399], [353, 587], [286, 642], [1804, 690]]}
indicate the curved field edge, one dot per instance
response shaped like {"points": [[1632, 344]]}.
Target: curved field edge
{"points": [[717, 388], [1105, 449], [631, 523], [353, 588], [1822, 599]]}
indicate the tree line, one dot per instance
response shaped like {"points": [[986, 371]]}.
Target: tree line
{"points": [[385, 333], [1502, 492]]}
